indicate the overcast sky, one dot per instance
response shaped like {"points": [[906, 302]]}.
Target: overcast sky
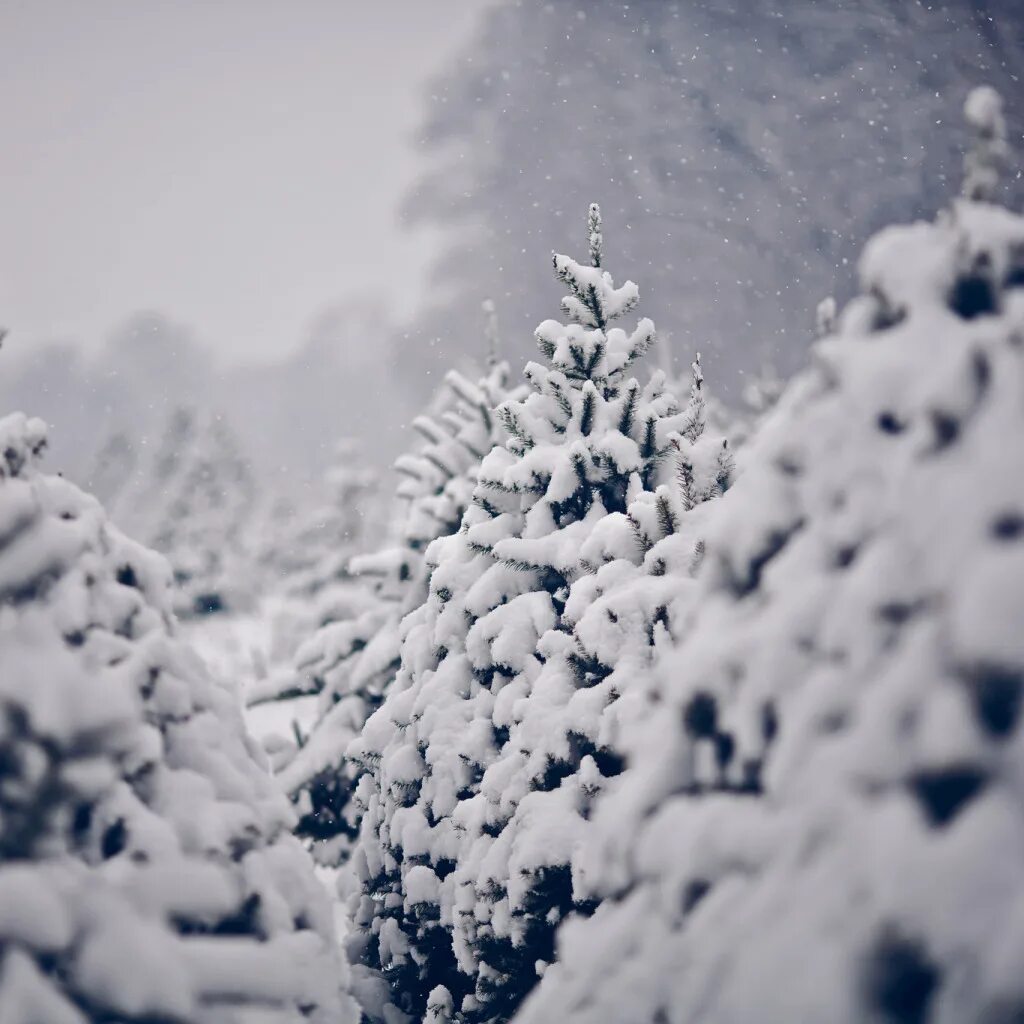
{"points": [[233, 163]]}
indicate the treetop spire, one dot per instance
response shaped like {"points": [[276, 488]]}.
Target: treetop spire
{"points": [[491, 337], [595, 238], [989, 153], [587, 348]]}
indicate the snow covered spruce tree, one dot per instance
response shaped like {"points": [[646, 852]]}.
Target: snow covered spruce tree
{"points": [[484, 758], [350, 664], [822, 820], [147, 872]]}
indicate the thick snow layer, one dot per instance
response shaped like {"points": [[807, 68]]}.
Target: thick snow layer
{"points": [[821, 820], [146, 865]]}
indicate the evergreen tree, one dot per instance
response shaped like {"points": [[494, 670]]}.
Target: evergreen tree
{"points": [[825, 317], [760, 392], [986, 159], [306, 556], [484, 756], [312, 558], [350, 664], [194, 503], [147, 872], [113, 468], [821, 820]]}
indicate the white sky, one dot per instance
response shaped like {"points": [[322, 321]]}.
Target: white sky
{"points": [[235, 164]]}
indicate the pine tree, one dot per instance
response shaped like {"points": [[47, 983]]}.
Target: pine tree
{"points": [[305, 559], [113, 468], [311, 562], [349, 664], [987, 157], [825, 317], [146, 867], [821, 820], [740, 424], [193, 503], [492, 731]]}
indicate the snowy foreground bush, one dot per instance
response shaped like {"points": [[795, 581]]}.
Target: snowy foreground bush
{"points": [[147, 872], [499, 731], [823, 818]]}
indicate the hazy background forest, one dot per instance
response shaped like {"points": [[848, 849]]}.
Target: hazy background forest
{"points": [[276, 240]]}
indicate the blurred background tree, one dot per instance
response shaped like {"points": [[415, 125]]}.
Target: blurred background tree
{"points": [[749, 151]]}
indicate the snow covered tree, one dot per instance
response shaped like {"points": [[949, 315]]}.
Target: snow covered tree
{"points": [[311, 558], [193, 503], [147, 871], [305, 556], [825, 317], [821, 820], [113, 468], [483, 758], [350, 664], [985, 160], [740, 422]]}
